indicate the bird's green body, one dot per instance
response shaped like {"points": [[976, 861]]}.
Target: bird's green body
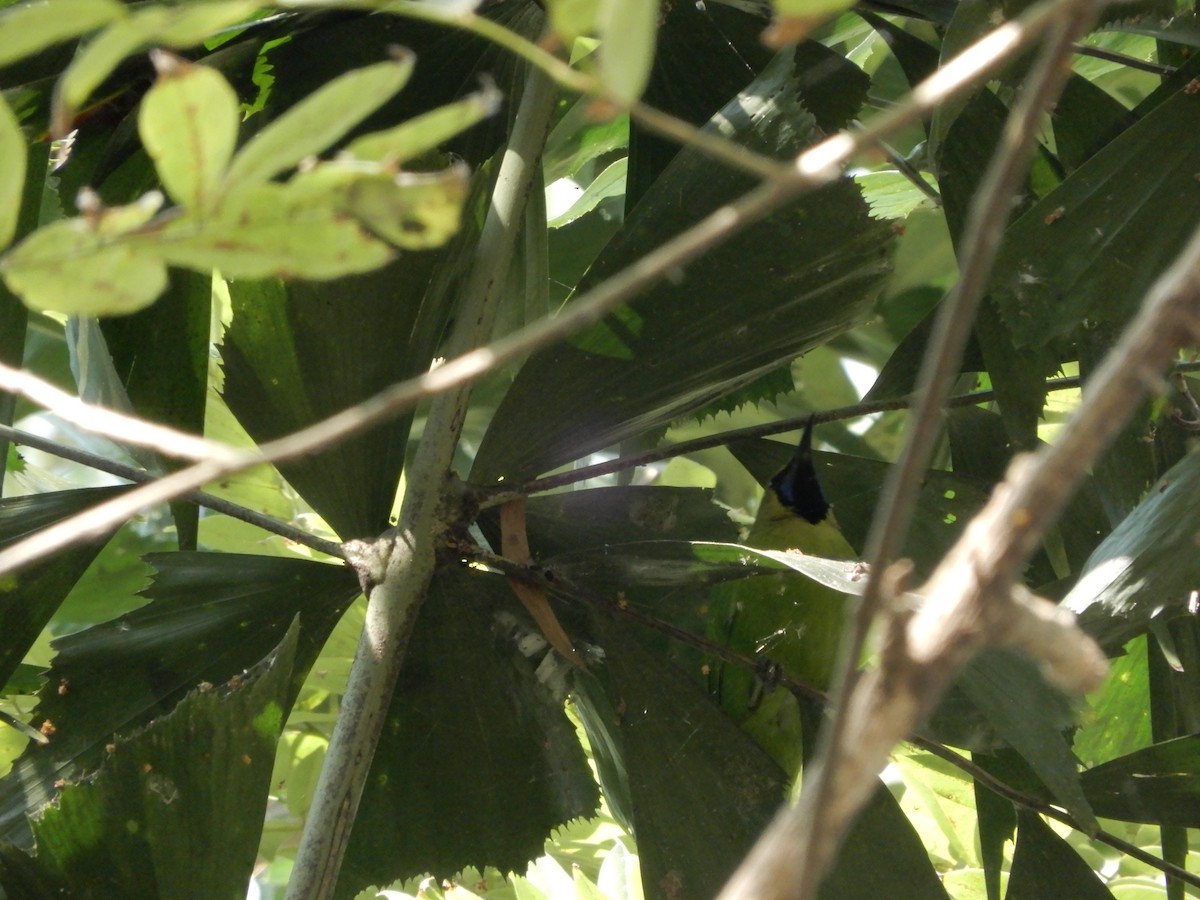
{"points": [[786, 619]]}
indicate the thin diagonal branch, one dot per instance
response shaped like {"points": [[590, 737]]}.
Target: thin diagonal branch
{"points": [[750, 432], [120, 427], [816, 166], [141, 476]]}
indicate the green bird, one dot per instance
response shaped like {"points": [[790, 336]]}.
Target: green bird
{"points": [[786, 620]]}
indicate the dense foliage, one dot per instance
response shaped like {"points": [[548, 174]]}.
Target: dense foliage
{"points": [[237, 219]]}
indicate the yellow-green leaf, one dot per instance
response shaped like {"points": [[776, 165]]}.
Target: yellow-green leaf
{"points": [[31, 27], [415, 212], [69, 267], [189, 125], [628, 31], [411, 139], [795, 19], [318, 121], [261, 231], [571, 19], [12, 172], [176, 26]]}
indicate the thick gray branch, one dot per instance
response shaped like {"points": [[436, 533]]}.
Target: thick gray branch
{"points": [[397, 569]]}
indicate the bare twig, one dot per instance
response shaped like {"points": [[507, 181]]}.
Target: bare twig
{"points": [[141, 476], [120, 427], [1125, 59], [750, 432], [816, 166], [796, 851]]}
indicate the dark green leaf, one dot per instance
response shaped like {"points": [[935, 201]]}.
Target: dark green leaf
{"points": [[211, 616], [1091, 248], [1044, 865], [882, 856], [701, 789], [1159, 784], [449, 64], [1017, 374], [1127, 467], [299, 352], [176, 809], [778, 288], [1031, 717], [559, 523], [1086, 118], [732, 57], [29, 599], [997, 821], [161, 357], [477, 763]]}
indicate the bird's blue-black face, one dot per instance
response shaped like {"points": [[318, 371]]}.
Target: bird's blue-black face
{"points": [[797, 486]]}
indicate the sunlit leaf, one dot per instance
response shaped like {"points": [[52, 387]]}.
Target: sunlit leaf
{"points": [[571, 19], [188, 122], [428, 131], [70, 267], [795, 19], [410, 211], [1147, 569], [12, 172], [30, 27], [173, 26], [609, 183], [627, 31], [318, 121], [266, 230]]}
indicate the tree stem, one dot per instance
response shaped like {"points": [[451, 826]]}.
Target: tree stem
{"points": [[397, 568]]}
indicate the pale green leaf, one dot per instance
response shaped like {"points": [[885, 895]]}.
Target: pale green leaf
{"points": [[628, 30], [891, 195], [189, 125], [414, 212], [570, 19], [426, 132], [192, 23], [178, 26], [410, 210], [794, 19], [30, 27], [609, 183], [12, 172], [262, 232], [318, 121], [70, 267]]}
